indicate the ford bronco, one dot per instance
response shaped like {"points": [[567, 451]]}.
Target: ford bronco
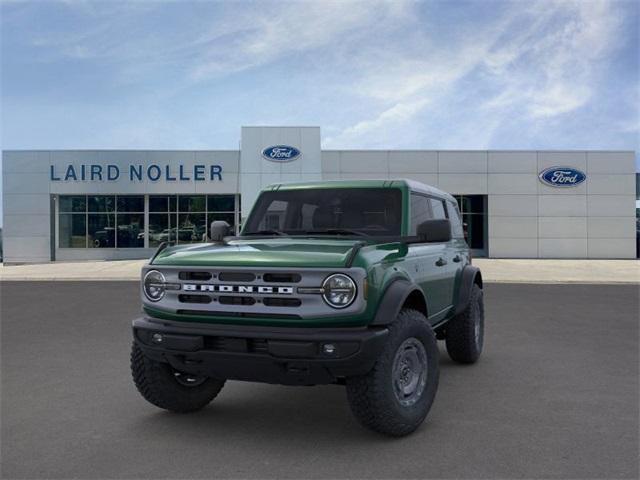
{"points": [[346, 282]]}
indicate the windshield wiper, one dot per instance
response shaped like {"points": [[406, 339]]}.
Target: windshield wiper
{"points": [[337, 231], [267, 232]]}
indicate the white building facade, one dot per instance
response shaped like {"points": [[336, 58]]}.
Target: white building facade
{"points": [[119, 204]]}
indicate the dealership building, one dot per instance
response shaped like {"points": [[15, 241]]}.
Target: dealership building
{"points": [[121, 204]]}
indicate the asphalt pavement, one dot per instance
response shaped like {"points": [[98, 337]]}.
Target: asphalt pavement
{"points": [[555, 395]]}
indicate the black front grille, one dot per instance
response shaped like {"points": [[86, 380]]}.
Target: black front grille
{"points": [[236, 276], [232, 300], [282, 277], [282, 302], [196, 276], [194, 298]]}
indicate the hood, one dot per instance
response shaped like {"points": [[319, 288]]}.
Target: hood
{"points": [[271, 252]]}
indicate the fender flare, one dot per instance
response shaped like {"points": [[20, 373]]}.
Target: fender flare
{"points": [[470, 275], [392, 300]]}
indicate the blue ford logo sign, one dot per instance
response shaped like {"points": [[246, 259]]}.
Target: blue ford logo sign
{"points": [[281, 153], [562, 177]]}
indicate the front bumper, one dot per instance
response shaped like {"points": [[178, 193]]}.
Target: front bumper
{"points": [[284, 355]]}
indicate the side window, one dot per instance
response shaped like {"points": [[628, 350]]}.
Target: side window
{"points": [[437, 206], [420, 211], [456, 224]]}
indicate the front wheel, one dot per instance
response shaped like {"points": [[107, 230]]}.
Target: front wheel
{"points": [[167, 388], [396, 395]]}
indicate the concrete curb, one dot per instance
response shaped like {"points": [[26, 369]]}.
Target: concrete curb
{"points": [[587, 272], [489, 281]]}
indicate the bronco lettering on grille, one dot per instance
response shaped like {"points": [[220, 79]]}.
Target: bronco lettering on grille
{"points": [[260, 289]]}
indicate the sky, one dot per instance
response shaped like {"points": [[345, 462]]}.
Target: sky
{"points": [[372, 74]]}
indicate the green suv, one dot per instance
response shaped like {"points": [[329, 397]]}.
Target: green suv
{"points": [[347, 282]]}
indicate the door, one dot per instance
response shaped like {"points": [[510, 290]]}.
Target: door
{"points": [[429, 263], [459, 246], [450, 255]]}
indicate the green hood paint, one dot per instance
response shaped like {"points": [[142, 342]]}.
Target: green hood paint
{"points": [[269, 252]]}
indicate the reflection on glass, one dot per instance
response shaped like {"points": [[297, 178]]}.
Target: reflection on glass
{"points": [[131, 203], [161, 228], [72, 230], [192, 203], [109, 221], [101, 230], [221, 203], [191, 227], [130, 230], [471, 203], [158, 203], [474, 230], [73, 203], [102, 203]]}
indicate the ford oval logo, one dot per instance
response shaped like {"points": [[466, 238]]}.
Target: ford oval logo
{"points": [[281, 153], [562, 177]]}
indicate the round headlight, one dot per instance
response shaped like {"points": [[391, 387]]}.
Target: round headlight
{"points": [[339, 290], [153, 285]]}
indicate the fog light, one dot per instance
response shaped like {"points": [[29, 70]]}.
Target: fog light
{"points": [[329, 348], [156, 338]]}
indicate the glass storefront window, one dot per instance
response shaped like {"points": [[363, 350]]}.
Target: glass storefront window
{"points": [[102, 203], [73, 203], [161, 228], [474, 219], [130, 230], [101, 230], [118, 221], [131, 203], [222, 207], [191, 227], [474, 230], [221, 203], [192, 203], [73, 230], [158, 203]]}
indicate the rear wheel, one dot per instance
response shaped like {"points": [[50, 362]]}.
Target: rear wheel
{"points": [[163, 386], [396, 395], [464, 334]]}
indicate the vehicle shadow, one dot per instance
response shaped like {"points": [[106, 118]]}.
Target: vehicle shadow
{"points": [[254, 410]]}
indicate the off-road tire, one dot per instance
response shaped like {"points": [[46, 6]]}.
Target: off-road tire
{"points": [[156, 382], [372, 397], [463, 345]]}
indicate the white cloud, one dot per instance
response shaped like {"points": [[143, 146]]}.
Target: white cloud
{"points": [[388, 73], [260, 37], [543, 57], [232, 37]]}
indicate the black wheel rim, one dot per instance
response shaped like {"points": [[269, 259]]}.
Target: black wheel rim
{"points": [[410, 367], [188, 379]]}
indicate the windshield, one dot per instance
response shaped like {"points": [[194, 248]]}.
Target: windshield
{"points": [[337, 211]]}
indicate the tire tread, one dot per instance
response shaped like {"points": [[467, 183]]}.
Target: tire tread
{"points": [[153, 381]]}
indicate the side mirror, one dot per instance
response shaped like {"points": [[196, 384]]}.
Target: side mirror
{"points": [[219, 230], [437, 230]]}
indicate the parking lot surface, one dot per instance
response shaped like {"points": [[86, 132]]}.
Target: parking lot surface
{"points": [[555, 395]]}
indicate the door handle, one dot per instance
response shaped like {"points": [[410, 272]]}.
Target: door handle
{"points": [[457, 258], [441, 262]]}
